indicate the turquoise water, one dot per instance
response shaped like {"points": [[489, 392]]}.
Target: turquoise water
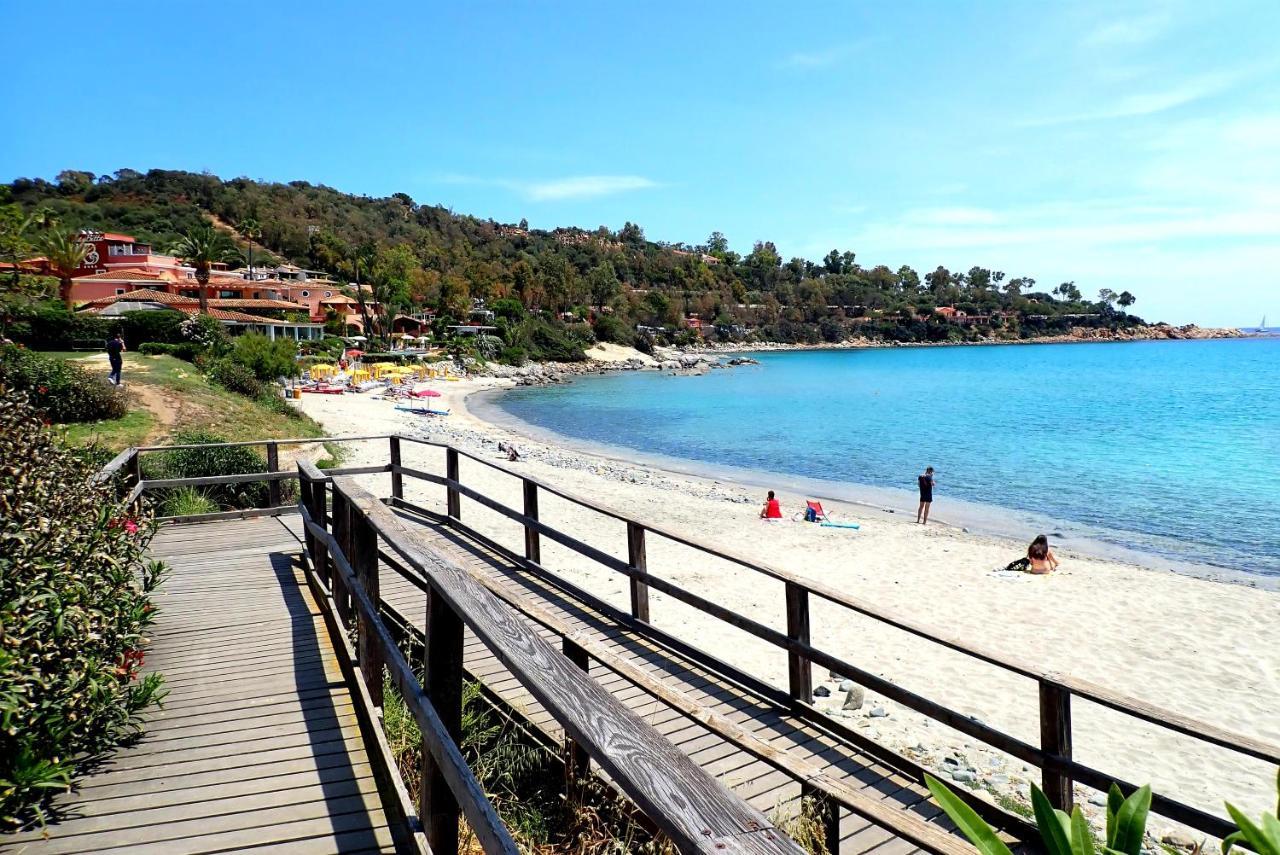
{"points": [[1170, 448]]}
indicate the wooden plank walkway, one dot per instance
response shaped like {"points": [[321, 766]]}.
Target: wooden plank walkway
{"points": [[257, 746], [759, 783]]}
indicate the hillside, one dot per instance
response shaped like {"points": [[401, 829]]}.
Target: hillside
{"points": [[428, 256]]}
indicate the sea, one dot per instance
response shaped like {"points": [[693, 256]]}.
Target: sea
{"points": [[1165, 453]]}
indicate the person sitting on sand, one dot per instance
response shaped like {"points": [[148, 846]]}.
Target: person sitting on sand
{"points": [[772, 510], [512, 454], [1040, 558]]}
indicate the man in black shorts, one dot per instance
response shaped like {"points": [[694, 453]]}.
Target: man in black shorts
{"points": [[926, 495]]}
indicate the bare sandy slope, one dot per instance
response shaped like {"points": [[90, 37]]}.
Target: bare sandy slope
{"points": [[1200, 648]]}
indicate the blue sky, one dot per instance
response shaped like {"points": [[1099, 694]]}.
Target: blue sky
{"points": [[1125, 145]]}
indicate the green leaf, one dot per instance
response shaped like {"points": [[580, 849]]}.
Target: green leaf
{"points": [[1257, 839], [1131, 821], [1231, 840], [1115, 799], [1081, 834], [966, 819], [1048, 822]]}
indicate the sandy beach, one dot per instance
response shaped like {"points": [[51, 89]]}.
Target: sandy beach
{"points": [[1200, 648]]}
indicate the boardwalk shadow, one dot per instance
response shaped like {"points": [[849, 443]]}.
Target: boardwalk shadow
{"points": [[329, 737]]}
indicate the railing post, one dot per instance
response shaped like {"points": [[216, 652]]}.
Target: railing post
{"points": [[799, 669], [442, 683], [397, 478], [638, 561], [306, 498], [273, 465], [828, 815], [135, 473], [320, 516], [1055, 738], [532, 543], [577, 762], [454, 503], [342, 535], [364, 560]]}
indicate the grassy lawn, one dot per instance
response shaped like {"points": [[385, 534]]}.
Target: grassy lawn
{"points": [[167, 394]]}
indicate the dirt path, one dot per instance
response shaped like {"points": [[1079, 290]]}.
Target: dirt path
{"points": [[164, 409]]}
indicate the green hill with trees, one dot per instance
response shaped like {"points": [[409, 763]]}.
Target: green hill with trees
{"points": [[426, 256]]}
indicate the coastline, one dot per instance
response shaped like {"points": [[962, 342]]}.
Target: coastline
{"points": [[1197, 647]]}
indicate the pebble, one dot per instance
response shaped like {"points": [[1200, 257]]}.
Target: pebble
{"points": [[1178, 840], [853, 698], [878, 712], [964, 776], [846, 685], [1098, 799], [821, 692]]}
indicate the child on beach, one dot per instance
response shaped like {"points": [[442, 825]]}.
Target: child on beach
{"points": [[772, 509], [925, 482], [1040, 557]]}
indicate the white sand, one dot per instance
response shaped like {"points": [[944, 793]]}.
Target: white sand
{"points": [[1204, 649]]}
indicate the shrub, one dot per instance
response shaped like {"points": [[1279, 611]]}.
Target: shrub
{"points": [[206, 462], [151, 326], [49, 326], [206, 333], [74, 608], [513, 355], [546, 341], [187, 502], [235, 377], [611, 328], [64, 391], [267, 359], [182, 350]]}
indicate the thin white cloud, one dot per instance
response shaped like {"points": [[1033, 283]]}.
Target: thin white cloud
{"points": [[1127, 32], [558, 189], [1147, 103], [953, 216], [820, 58], [584, 187]]}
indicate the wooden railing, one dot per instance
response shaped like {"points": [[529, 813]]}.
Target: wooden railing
{"points": [[1053, 753], [346, 528]]}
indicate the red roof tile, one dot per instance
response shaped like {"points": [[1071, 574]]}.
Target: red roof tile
{"points": [[129, 274]]}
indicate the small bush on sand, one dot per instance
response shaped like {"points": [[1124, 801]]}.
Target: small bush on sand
{"points": [[74, 609]]}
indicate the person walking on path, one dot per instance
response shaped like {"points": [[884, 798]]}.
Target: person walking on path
{"points": [[115, 355], [926, 495]]}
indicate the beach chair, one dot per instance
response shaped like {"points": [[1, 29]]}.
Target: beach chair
{"points": [[813, 512]]}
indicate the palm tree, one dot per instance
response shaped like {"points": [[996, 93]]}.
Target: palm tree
{"points": [[202, 247], [66, 254], [250, 231]]}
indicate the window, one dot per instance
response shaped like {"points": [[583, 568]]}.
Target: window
{"points": [[328, 293], [306, 293], [119, 291]]}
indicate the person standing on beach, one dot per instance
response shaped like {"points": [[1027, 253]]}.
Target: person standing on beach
{"points": [[115, 355], [926, 495]]}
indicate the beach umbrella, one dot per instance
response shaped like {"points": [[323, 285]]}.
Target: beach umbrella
{"points": [[425, 393], [357, 338], [355, 351]]}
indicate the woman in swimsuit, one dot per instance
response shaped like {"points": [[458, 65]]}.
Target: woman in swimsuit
{"points": [[1040, 558]]}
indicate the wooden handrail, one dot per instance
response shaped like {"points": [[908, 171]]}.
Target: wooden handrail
{"points": [[1083, 689], [693, 809]]}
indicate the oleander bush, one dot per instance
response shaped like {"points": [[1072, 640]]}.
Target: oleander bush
{"points": [[74, 611], [64, 392]]}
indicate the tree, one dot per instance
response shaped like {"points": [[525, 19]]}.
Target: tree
{"points": [[717, 244], [1107, 296], [250, 231], [603, 284], [66, 254], [1068, 291], [1126, 299], [908, 280], [939, 280], [202, 247]]}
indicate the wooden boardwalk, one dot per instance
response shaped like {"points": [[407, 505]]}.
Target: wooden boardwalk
{"points": [[762, 785], [257, 746]]}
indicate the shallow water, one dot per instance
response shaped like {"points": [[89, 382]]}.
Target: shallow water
{"points": [[1165, 447]]}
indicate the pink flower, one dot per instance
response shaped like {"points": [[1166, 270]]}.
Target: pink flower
{"points": [[131, 526]]}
